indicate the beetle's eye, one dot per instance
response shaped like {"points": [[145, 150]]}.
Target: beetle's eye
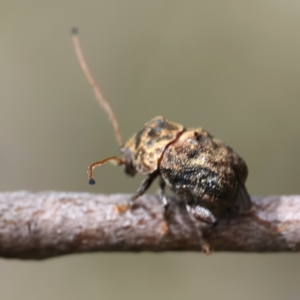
{"points": [[198, 136]]}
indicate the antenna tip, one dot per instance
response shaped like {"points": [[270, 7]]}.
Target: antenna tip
{"points": [[92, 181], [74, 30]]}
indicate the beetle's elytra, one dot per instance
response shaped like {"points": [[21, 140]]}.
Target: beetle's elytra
{"points": [[205, 172]]}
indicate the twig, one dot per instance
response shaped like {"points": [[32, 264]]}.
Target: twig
{"points": [[47, 224]]}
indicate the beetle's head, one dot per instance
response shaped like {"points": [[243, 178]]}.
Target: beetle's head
{"points": [[129, 167]]}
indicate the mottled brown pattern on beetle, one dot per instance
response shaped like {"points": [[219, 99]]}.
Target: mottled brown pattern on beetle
{"points": [[149, 143], [203, 168]]}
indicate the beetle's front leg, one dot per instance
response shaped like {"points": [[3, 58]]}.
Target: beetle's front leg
{"points": [[143, 188], [202, 214]]}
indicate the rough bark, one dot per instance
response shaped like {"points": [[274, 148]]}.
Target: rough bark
{"points": [[47, 224]]}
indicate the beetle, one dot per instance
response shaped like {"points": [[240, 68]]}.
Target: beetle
{"points": [[208, 175]]}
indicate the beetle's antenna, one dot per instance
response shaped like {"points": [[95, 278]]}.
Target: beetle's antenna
{"points": [[99, 96], [114, 160]]}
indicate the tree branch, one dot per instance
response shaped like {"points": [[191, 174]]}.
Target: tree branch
{"points": [[47, 224]]}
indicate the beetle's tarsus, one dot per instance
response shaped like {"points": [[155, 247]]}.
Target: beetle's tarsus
{"points": [[92, 181], [166, 204], [205, 248], [131, 204]]}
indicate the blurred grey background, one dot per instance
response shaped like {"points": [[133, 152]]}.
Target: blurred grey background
{"points": [[231, 67]]}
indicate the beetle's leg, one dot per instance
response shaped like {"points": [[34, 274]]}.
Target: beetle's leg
{"points": [[202, 214], [143, 188], [114, 160], [162, 194]]}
